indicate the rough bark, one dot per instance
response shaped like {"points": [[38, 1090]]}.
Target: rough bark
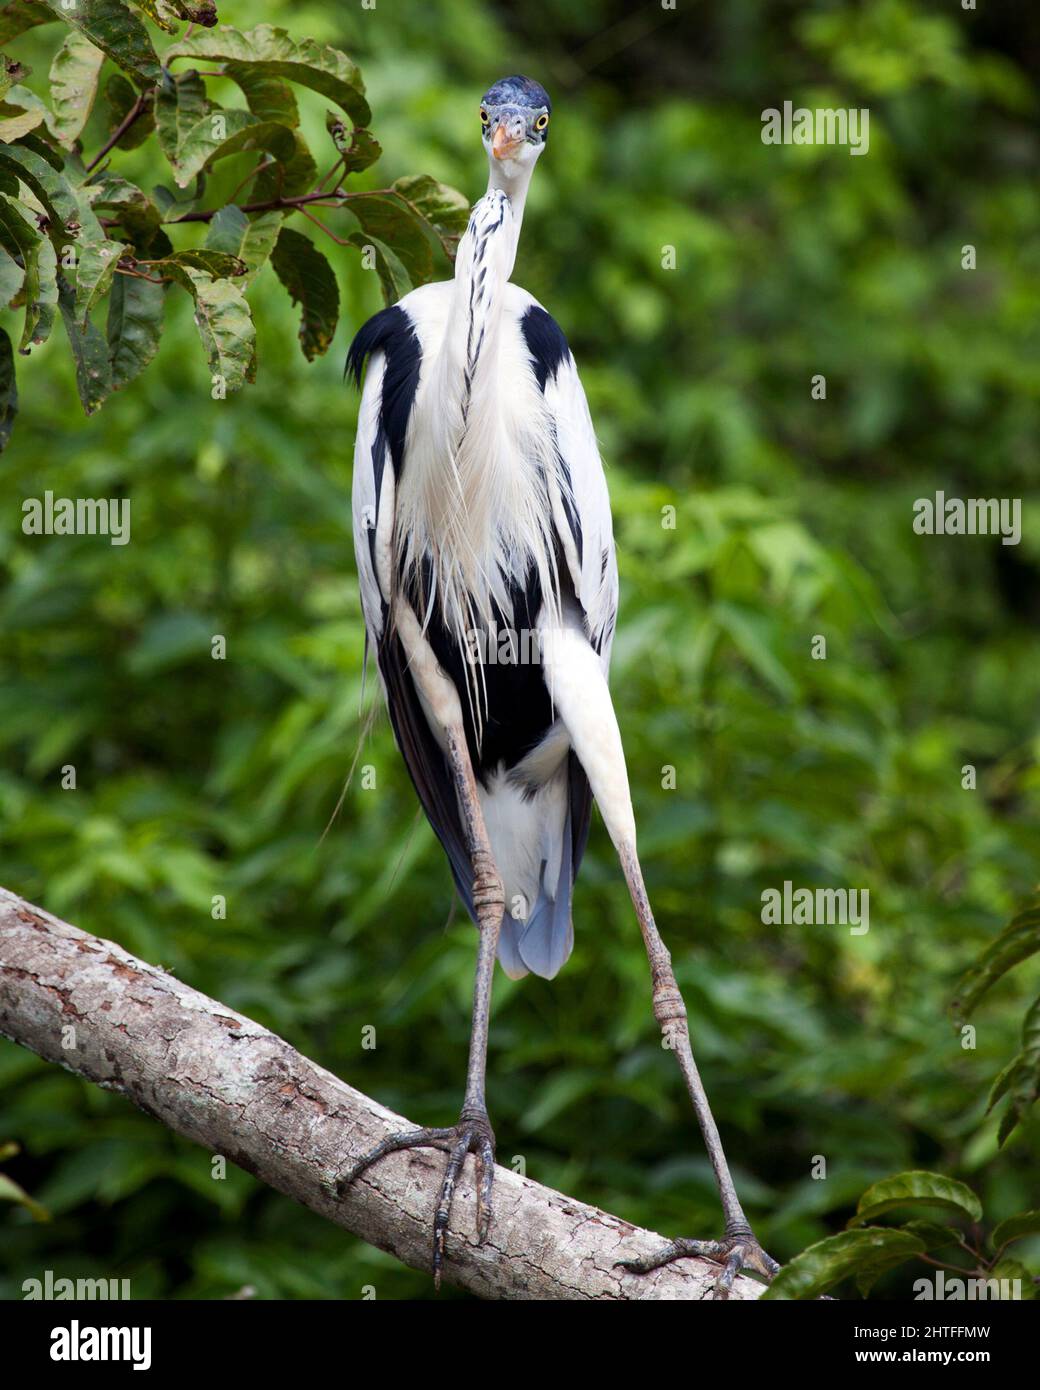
{"points": [[226, 1083]]}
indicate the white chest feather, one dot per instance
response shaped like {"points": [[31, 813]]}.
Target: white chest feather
{"points": [[474, 498]]}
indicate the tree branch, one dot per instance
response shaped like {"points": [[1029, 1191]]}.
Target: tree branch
{"points": [[223, 1081], [121, 129]]}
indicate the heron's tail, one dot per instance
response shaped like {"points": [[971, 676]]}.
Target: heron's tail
{"points": [[542, 942]]}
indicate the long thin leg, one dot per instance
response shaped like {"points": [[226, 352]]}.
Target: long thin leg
{"points": [[579, 689], [473, 1134], [738, 1249]]}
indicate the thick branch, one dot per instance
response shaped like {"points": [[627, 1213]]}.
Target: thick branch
{"points": [[225, 1082]]}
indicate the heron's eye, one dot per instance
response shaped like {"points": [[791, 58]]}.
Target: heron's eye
{"points": [[541, 122], [484, 117]]}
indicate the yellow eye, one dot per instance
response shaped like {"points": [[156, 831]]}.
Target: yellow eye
{"points": [[541, 122], [484, 117]]}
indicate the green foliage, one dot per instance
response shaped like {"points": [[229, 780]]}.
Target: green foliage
{"points": [[55, 205], [11, 1192], [865, 1252], [792, 518], [1020, 1079]]}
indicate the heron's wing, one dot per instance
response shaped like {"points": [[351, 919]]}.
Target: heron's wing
{"points": [[581, 503], [389, 342], [581, 513], [373, 486]]}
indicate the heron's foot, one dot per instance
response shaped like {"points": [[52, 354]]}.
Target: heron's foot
{"points": [[472, 1135], [738, 1252]]}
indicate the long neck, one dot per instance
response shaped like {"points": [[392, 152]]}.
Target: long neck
{"points": [[471, 498], [514, 186], [486, 256]]}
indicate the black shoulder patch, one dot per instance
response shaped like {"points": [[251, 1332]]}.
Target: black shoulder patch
{"points": [[391, 332], [374, 334], [545, 342]]}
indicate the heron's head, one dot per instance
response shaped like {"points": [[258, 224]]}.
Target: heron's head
{"points": [[514, 121]]}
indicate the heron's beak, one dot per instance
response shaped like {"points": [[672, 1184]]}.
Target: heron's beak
{"points": [[504, 145]]}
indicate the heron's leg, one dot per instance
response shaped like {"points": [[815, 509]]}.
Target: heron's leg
{"points": [[473, 1133], [738, 1248], [578, 683]]}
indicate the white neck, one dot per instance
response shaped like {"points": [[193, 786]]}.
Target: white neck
{"points": [[514, 179]]}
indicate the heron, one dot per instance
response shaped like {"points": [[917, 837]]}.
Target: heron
{"points": [[481, 517]]}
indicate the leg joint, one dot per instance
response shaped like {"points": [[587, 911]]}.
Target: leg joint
{"points": [[668, 1005], [488, 893]]}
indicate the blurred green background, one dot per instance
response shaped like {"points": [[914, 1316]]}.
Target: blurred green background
{"points": [[793, 519]]}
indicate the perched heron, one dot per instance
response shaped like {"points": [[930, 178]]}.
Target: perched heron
{"points": [[489, 586]]}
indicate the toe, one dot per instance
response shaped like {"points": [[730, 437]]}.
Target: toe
{"points": [[732, 1267]]}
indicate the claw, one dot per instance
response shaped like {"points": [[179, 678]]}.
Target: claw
{"points": [[736, 1253], [474, 1135]]}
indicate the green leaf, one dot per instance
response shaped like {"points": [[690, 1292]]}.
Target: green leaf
{"points": [[50, 187], [1012, 1270], [1001, 1084], [393, 278], [16, 121], [751, 634], [116, 31], [74, 80], [1019, 940], [41, 146], [11, 1192], [286, 180], [223, 319], [829, 1261], [89, 351], [138, 215], [202, 12], [41, 309], [20, 236], [120, 98], [213, 262], [11, 71], [158, 12], [135, 323], [1023, 1077], [220, 133], [95, 267], [250, 239], [443, 207], [19, 15], [272, 51], [310, 280], [392, 223], [357, 148], [8, 390], [26, 100], [18, 230], [12, 276], [916, 1189], [1026, 1223], [935, 1237], [932, 1236], [180, 103], [268, 97]]}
